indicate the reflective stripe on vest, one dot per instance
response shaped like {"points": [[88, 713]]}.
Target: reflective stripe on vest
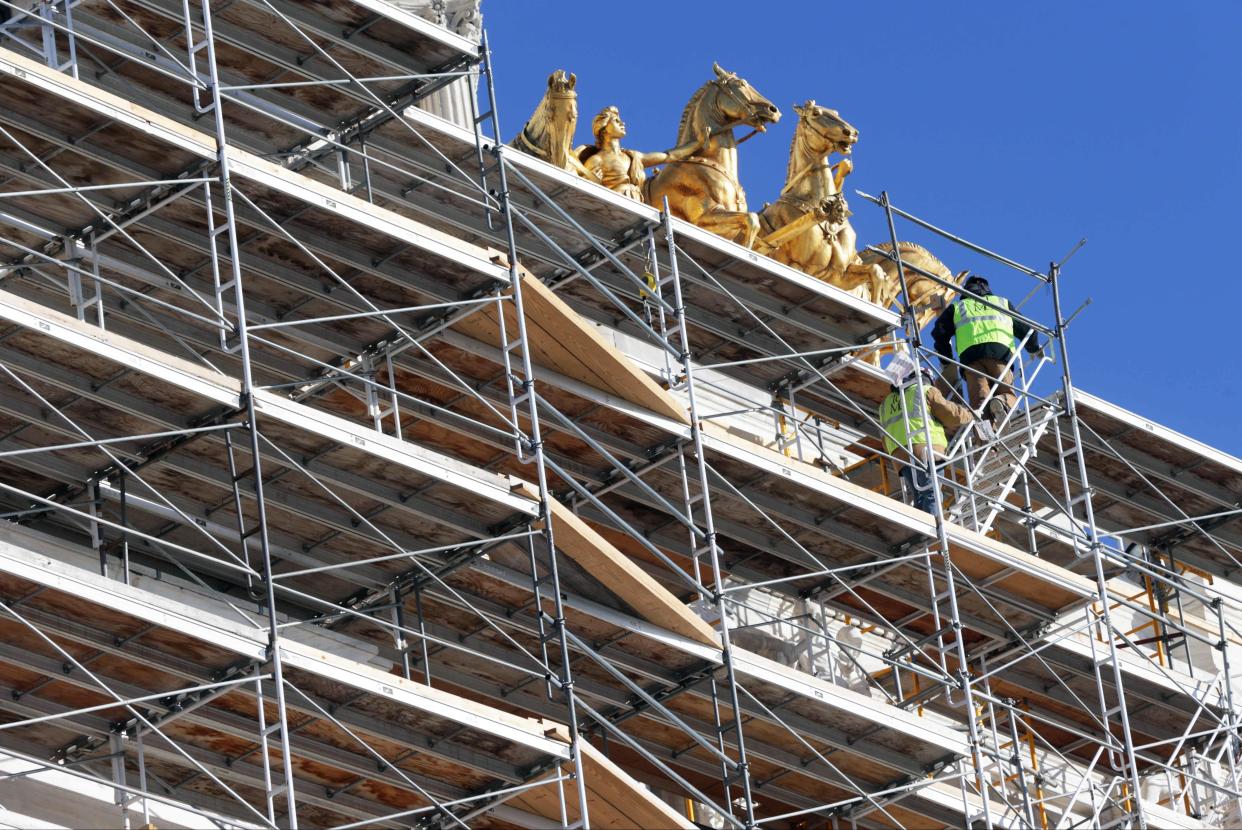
{"points": [[975, 323], [899, 427]]}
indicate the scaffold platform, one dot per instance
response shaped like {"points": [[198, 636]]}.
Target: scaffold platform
{"points": [[360, 470]]}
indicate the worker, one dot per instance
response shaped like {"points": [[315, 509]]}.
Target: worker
{"points": [[985, 341], [906, 425]]}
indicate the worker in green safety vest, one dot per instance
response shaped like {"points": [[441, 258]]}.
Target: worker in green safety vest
{"points": [[907, 420], [986, 337]]}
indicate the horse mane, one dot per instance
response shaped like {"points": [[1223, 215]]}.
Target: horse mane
{"points": [[906, 248], [793, 150], [910, 250], [538, 118], [686, 114]]}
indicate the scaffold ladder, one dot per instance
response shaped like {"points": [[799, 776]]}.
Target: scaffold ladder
{"points": [[993, 474]]}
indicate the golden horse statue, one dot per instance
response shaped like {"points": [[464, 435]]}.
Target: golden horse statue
{"points": [[549, 133], [927, 297], [808, 226], [704, 189]]}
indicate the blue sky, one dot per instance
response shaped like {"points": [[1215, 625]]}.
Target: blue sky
{"points": [[1022, 126]]}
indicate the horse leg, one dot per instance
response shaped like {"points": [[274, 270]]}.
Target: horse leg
{"points": [[731, 224]]}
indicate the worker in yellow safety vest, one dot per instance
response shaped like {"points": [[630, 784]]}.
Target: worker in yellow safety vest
{"points": [[907, 420], [985, 337]]}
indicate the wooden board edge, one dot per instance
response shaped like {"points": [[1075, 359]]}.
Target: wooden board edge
{"points": [[553, 313], [600, 558]]}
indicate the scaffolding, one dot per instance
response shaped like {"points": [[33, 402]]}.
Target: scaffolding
{"points": [[359, 470]]}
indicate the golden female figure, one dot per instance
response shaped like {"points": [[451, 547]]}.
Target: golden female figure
{"points": [[617, 168]]}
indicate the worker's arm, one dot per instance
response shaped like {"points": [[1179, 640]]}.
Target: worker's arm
{"points": [[942, 333], [1021, 329], [953, 416]]}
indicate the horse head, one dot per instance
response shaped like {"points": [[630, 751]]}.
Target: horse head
{"points": [[737, 102], [824, 130], [549, 134], [560, 116]]}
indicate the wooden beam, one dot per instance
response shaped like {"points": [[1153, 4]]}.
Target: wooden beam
{"points": [[615, 800], [598, 557], [569, 344]]}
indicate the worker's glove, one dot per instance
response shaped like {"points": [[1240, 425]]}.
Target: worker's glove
{"points": [[983, 429]]}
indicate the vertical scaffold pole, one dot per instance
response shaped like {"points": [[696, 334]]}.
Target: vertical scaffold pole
{"points": [[536, 454], [1129, 761], [246, 401], [942, 537], [1231, 729], [742, 769]]}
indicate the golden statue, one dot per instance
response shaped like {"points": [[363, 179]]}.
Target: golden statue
{"points": [[617, 168], [704, 189], [808, 226], [549, 133], [927, 297]]}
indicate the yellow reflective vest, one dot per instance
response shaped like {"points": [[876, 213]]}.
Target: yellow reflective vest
{"points": [[975, 323], [903, 429]]}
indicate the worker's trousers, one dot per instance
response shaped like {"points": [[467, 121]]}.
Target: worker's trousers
{"points": [[918, 486], [982, 375]]}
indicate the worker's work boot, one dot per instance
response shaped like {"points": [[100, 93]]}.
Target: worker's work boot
{"points": [[997, 410]]}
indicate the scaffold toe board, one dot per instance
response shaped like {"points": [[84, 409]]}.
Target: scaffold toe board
{"points": [[1035, 581], [143, 142], [1176, 496]]}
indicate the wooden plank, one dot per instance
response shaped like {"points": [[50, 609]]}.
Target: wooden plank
{"points": [[608, 784], [615, 800], [580, 338], [564, 341], [649, 599]]}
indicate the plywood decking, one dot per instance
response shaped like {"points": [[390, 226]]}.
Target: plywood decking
{"points": [[1040, 582]]}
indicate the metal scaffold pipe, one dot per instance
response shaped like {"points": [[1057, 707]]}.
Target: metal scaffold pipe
{"points": [[247, 402], [565, 682]]}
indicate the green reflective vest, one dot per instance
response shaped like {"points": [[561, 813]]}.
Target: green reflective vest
{"points": [[902, 429], [975, 323]]}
